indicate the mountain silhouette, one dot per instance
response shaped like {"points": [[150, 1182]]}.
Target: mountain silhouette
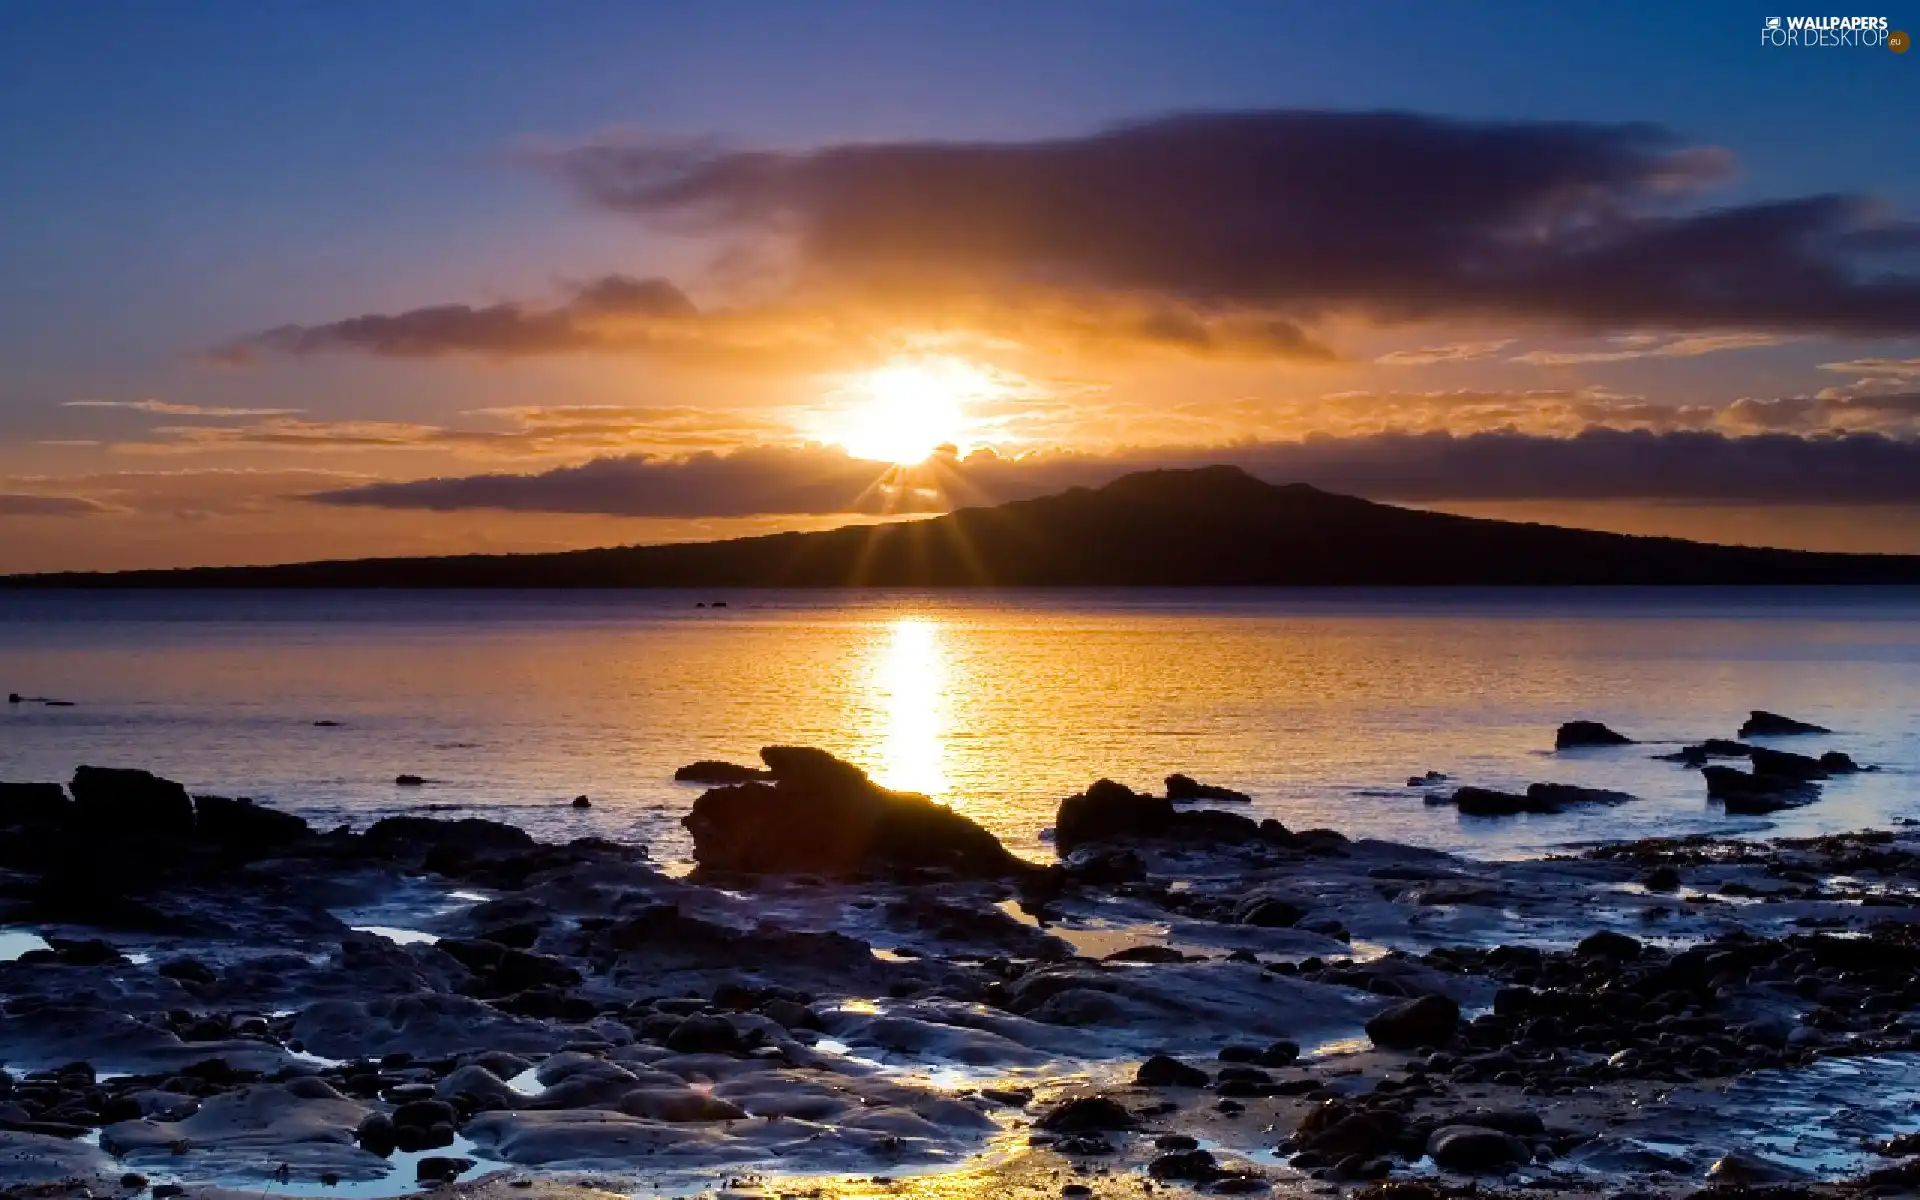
{"points": [[1212, 527]]}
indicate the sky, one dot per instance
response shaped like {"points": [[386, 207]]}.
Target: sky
{"points": [[308, 280]]}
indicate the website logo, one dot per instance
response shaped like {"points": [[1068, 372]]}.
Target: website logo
{"points": [[1869, 33]]}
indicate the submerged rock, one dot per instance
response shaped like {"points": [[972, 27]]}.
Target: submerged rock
{"points": [[122, 801], [1185, 788], [1587, 733], [823, 816], [1761, 723]]}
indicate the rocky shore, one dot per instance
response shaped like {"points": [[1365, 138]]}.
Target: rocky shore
{"points": [[862, 992]]}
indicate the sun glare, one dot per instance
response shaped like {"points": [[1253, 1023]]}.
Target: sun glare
{"points": [[902, 412]]}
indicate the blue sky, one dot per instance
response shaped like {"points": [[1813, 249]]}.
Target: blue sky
{"points": [[176, 175]]}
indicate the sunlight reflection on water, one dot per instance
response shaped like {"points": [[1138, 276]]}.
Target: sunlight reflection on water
{"points": [[909, 686]]}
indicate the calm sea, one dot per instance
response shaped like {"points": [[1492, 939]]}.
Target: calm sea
{"points": [[1320, 704]]}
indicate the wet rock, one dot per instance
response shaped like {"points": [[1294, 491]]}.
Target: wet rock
{"points": [[34, 804], [1280, 1054], [1607, 944], [1760, 723], [30, 1162], [1749, 1170], [408, 781], [1427, 1021], [1752, 794], [1476, 1150], [1269, 912], [704, 1035], [303, 1124], [242, 823], [1783, 764], [1697, 754], [1427, 780], [469, 834], [1088, 1114], [719, 774], [1575, 734], [1542, 798], [1110, 811], [1192, 1166], [824, 816], [436, 1168], [480, 1085], [116, 802], [582, 802], [1185, 788], [1164, 1071], [679, 1106]]}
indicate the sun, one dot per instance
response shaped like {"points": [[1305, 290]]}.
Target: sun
{"points": [[902, 412]]}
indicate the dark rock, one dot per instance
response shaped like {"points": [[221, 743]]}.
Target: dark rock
{"points": [[1587, 733], [1836, 763], [1110, 811], [440, 1169], [115, 801], [34, 804], [471, 834], [1280, 1054], [1476, 1150], [1783, 764], [1608, 944], [242, 823], [582, 802], [1196, 1166], [704, 1035], [824, 816], [1427, 1021], [1697, 754], [1662, 879], [1145, 954], [1539, 798], [1427, 780], [1163, 1071], [719, 774], [1761, 723], [1269, 912], [1087, 1114], [408, 781], [1751, 794], [1184, 788]]}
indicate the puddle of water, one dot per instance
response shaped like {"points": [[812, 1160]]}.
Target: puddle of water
{"points": [[527, 1082], [15, 942], [405, 937]]}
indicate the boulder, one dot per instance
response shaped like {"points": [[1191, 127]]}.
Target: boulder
{"points": [[1164, 1071], [1783, 764], [1087, 1114], [1575, 734], [1110, 811], [1538, 798], [1754, 794], [34, 804], [1607, 944], [823, 816], [1476, 1150], [1427, 1021], [1761, 723], [118, 801], [719, 774], [582, 802], [245, 824], [473, 834], [1185, 788]]}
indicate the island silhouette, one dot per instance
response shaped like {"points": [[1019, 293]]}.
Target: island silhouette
{"points": [[1204, 527]]}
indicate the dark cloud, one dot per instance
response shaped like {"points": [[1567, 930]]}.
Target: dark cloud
{"points": [[1599, 464], [17, 504], [606, 313], [1394, 214]]}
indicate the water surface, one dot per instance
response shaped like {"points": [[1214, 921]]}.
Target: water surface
{"points": [[1319, 703]]}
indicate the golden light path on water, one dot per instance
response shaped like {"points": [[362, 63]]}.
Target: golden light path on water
{"points": [[910, 683]]}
